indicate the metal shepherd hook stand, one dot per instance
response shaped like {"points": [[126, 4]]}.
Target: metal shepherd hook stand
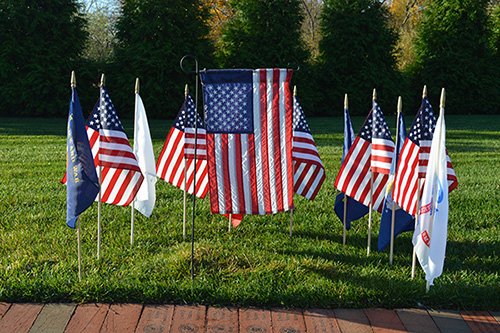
{"points": [[197, 72]]}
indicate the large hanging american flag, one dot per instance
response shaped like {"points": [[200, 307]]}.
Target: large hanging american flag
{"points": [[414, 158], [177, 154], [248, 116], [370, 153], [121, 176], [309, 172]]}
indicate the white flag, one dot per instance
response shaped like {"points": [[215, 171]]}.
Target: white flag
{"points": [[143, 150], [431, 231]]}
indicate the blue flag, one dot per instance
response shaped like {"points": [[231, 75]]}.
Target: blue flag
{"points": [[82, 185], [402, 220], [355, 209]]}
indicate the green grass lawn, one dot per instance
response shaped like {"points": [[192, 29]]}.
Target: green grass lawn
{"points": [[257, 263]]}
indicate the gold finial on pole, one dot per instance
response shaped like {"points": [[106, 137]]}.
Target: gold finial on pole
{"points": [[374, 94], [186, 91], [102, 80], [294, 90], [443, 98], [137, 85], [400, 104], [73, 79], [346, 102], [424, 93]]}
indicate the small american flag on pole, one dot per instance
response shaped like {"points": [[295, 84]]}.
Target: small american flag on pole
{"points": [[309, 172], [248, 116], [178, 152], [121, 175], [414, 158], [371, 152]]}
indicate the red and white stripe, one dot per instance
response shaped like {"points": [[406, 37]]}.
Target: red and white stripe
{"points": [[354, 177], [412, 166], [309, 173], [178, 154], [381, 155], [253, 173], [121, 176]]}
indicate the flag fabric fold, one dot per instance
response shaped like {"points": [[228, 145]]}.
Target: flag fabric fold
{"points": [[430, 234], [414, 159], [143, 150], [235, 218], [248, 117], [121, 176], [355, 209], [309, 173], [82, 184], [177, 154], [371, 153], [402, 220]]}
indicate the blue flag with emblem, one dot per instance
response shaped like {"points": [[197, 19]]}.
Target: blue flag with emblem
{"points": [[82, 184], [355, 209], [402, 220]]}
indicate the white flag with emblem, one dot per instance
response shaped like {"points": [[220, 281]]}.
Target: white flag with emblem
{"points": [[431, 231]]}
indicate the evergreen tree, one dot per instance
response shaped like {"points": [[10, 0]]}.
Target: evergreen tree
{"points": [[453, 51], [153, 36], [41, 42], [263, 34], [267, 34], [357, 55]]}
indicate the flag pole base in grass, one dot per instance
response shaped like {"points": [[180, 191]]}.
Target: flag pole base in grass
{"points": [[78, 233]]}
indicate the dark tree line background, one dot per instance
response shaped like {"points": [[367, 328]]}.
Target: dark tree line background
{"points": [[342, 46]]}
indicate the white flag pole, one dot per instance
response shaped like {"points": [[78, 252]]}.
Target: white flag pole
{"points": [[79, 241], [78, 233], [229, 224], [371, 200], [414, 255], [293, 174], [393, 217], [186, 92], [133, 201], [100, 180], [344, 220], [370, 217]]}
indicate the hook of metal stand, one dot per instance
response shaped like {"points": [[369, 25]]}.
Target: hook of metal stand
{"points": [[294, 64], [195, 60]]}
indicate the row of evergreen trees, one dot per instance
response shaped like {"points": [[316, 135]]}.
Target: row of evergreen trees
{"points": [[42, 41]]}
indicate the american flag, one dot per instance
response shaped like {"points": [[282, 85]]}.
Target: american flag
{"points": [[121, 176], [309, 172], [177, 154], [248, 116], [414, 158], [355, 210], [370, 153]]}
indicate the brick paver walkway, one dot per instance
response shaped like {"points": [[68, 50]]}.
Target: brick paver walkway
{"points": [[19, 317]]}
